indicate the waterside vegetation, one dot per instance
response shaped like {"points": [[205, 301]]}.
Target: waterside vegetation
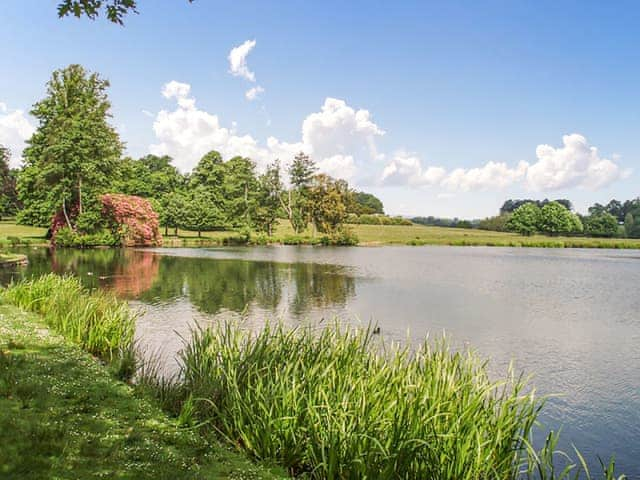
{"points": [[329, 403]]}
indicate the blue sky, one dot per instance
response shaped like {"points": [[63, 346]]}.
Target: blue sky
{"points": [[438, 108]]}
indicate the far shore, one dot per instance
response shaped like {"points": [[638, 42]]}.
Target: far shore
{"points": [[12, 235]]}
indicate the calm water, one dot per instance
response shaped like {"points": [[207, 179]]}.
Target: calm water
{"points": [[571, 317]]}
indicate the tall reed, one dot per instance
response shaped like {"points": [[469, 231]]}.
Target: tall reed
{"points": [[338, 403], [97, 320]]}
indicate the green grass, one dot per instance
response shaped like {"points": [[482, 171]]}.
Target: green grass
{"points": [[63, 416], [339, 403], [13, 234], [97, 321], [368, 235]]}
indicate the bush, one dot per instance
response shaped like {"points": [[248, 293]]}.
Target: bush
{"points": [[67, 238]]}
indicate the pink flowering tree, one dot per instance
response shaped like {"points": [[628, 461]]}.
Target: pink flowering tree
{"points": [[132, 219]]}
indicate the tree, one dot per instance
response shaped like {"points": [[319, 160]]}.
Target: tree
{"points": [[632, 224], [9, 203], [601, 224], [296, 204], [73, 156], [328, 202], [269, 191], [173, 212], [200, 213], [240, 192], [555, 219], [496, 224], [150, 177], [525, 219], [115, 10], [365, 204]]}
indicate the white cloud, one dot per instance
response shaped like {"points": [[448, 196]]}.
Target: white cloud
{"points": [[340, 138], [575, 164], [147, 113], [15, 129], [406, 169], [254, 93], [339, 129], [340, 166], [492, 175], [238, 60]]}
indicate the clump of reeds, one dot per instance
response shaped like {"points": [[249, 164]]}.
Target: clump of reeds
{"points": [[97, 321], [338, 403]]}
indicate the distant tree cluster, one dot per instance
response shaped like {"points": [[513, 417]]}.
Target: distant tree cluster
{"points": [[553, 218], [615, 219], [510, 206]]}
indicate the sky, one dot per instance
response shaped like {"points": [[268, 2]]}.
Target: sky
{"points": [[438, 108]]}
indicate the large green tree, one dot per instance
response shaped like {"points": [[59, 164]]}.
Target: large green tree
{"points": [[296, 202], [9, 203], [74, 154], [556, 219], [601, 224], [525, 219], [150, 176], [270, 189], [328, 201], [240, 192]]}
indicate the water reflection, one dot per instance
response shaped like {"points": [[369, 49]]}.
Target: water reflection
{"points": [[212, 285]]}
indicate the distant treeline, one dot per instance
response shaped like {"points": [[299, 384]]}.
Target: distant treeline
{"points": [[615, 219], [445, 222]]}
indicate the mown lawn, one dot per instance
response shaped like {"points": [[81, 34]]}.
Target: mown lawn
{"points": [[63, 416], [8, 228], [368, 235]]}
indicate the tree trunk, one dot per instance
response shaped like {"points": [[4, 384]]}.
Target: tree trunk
{"points": [[66, 217], [79, 195], [166, 230], [175, 231], [199, 233]]}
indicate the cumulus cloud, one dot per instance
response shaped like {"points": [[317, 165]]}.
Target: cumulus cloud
{"points": [[406, 169], [338, 128], [492, 175], [238, 60], [15, 129], [254, 93], [340, 138], [575, 164]]}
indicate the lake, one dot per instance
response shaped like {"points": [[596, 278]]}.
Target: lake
{"points": [[570, 317]]}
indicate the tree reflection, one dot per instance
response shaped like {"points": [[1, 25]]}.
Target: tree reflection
{"points": [[212, 285]]}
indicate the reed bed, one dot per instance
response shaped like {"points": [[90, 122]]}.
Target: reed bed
{"points": [[96, 320], [338, 403]]}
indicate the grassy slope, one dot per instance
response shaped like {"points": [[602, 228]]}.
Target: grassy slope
{"points": [[377, 235], [62, 416]]}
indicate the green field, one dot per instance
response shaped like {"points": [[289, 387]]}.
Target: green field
{"points": [[368, 235]]}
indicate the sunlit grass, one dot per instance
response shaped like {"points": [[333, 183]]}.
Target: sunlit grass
{"points": [[339, 403], [97, 321]]}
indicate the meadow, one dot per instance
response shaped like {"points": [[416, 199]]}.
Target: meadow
{"points": [[368, 235]]}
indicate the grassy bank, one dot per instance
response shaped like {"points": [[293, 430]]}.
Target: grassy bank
{"points": [[334, 403], [368, 235], [64, 415]]}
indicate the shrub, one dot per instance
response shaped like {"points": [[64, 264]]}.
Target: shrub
{"points": [[132, 219]]}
